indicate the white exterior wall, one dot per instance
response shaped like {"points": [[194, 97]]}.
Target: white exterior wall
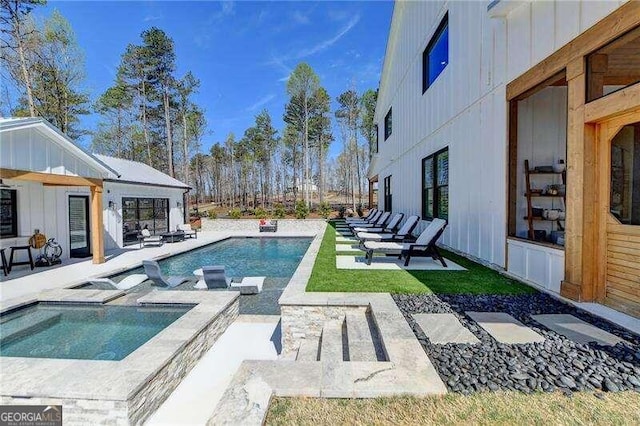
{"points": [[114, 191], [47, 209], [30, 149], [466, 109]]}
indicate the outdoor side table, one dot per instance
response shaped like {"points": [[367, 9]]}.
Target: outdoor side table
{"points": [[26, 262]]}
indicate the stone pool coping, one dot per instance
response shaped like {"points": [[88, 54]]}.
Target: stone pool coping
{"points": [[111, 380]]}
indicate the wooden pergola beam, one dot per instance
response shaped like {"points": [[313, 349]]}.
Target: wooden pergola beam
{"points": [[49, 178]]}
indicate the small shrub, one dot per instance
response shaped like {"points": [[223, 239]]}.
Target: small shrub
{"points": [[325, 210], [260, 213], [341, 212], [280, 212], [235, 214], [302, 210], [212, 214], [359, 211]]}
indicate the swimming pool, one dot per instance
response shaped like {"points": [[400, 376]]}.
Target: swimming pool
{"points": [[275, 258], [107, 333]]}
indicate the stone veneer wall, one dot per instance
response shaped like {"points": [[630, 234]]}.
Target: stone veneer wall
{"points": [[299, 322], [150, 396], [251, 225]]}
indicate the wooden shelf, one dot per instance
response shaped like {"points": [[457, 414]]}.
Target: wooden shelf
{"points": [[533, 172], [529, 173], [535, 194], [542, 219]]}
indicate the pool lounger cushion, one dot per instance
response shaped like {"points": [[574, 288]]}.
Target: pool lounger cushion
{"points": [[126, 283], [249, 285]]}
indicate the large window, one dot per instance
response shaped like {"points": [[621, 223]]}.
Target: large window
{"points": [[435, 185], [436, 56], [388, 119], [144, 213], [8, 214], [375, 148], [625, 175], [388, 198]]}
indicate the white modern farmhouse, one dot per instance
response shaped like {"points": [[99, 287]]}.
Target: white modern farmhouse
{"points": [[519, 123], [88, 203]]}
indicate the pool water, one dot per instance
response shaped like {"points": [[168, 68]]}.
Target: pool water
{"points": [[107, 333], [275, 258]]}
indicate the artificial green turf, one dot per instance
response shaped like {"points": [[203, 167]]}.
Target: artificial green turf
{"points": [[477, 279]]}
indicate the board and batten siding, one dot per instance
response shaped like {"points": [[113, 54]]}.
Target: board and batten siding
{"points": [[465, 109], [30, 149]]}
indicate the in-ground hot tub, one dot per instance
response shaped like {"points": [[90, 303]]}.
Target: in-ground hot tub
{"points": [[153, 357]]}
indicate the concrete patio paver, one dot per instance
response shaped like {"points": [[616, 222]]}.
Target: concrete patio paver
{"points": [[444, 328], [505, 328], [577, 330]]}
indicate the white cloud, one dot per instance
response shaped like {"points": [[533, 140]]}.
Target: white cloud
{"points": [[150, 18], [329, 42], [300, 18], [260, 102]]}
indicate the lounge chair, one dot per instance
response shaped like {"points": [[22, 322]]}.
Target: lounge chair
{"points": [[373, 219], [152, 269], [379, 223], [425, 245], [403, 234], [125, 284], [392, 226], [147, 239], [215, 277], [359, 219], [188, 231]]}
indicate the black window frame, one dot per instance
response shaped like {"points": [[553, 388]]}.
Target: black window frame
{"points": [[388, 124], [141, 205], [436, 188], [388, 194], [444, 24], [375, 148], [13, 206]]}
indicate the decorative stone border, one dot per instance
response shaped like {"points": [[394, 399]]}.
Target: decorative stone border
{"points": [[126, 391]]}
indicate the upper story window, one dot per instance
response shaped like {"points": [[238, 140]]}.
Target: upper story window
{"points": [[387, 124], [375, 147], [435, 185], [436, 56]]}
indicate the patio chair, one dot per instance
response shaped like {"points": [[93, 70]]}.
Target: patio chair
{"points": [[392, 226], [189, 232], [379, 223], [402, 235], [215, 277], [359, 219], [373, 219], [147, 239], [152, 269], [425, 245], [125, 284]]}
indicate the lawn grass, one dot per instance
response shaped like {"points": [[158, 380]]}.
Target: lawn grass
{"points": [[500, 408], [477, 279]]}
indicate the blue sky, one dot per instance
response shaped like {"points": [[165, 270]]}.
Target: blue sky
{"points": [[241, 51]]}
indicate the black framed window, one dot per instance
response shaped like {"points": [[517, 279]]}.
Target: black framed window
{"points": [[388, 119], [435, 57], [388, 197], [8, 213], [144, 213], [435, 185]]}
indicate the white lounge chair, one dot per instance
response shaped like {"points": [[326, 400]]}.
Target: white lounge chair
{"points": [[189, 232], [152, 269], [392, 226], [402, 234], [360, 219], [125, 284], [147, 239], [373, 219], [379, 223], [425, 245]]}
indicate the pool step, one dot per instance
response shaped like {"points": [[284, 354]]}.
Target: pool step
{"points": [[309, 349], [331, 348], [361, 347]]}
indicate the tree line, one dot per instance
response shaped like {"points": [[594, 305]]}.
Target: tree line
{"points": [[148, 114]]}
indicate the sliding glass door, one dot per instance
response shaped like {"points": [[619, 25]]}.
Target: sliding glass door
{"points": [[144, 213]]}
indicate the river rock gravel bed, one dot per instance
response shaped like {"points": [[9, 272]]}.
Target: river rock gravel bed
{"points": [[555, 364]]}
